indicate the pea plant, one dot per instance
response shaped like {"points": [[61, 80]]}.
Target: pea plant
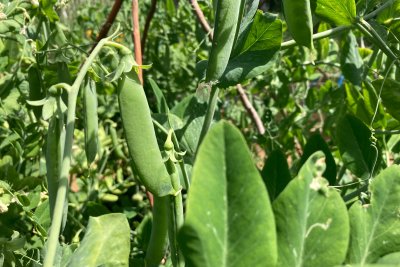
{"points": [[270, 138]]}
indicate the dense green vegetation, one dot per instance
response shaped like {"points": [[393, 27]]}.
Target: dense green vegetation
{"points": [[270, 138]]}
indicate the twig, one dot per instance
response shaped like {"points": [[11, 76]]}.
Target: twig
{"points": [[243, 97], [109, 22], [202, 19], [136, 36], [149, 17], [250, 109]]}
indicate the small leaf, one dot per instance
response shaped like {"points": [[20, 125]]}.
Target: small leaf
{"points": [[106, 242], [276, 174], [350, 60], [390, 95], [375, 226], [354, 140], [311, 221], [317, 143], [229, 220]]}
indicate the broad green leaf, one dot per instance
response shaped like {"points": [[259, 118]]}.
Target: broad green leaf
{"points": [[339, 12], [390, 95], [375, 227], [106, 242], [317, 143], [354, 140], [229, 220], [350, 60], [276, 174], [311, 220]]}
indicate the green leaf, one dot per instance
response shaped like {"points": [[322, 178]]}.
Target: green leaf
{"points": [[350, 60], [255, 50], [106, 242], [390, 95], [48, 9], [276, 174], [339, 12], [229, 220], [375, 226], [317, 143], [354, 140], [392, 258], [162, 106], [311, 221]]}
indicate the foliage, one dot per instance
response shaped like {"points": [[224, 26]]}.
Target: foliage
{"points": [[97, 169]]}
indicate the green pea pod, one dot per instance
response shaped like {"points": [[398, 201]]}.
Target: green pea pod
{"points": [[117, 148], [36, 91], [159, 229], [91, 120], [299, 21], [141, 137], [227, 15], [54, 153]]}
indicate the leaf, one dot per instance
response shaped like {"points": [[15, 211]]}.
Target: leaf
{"points": [[355, 145], [350, 60], [311, 221], [339, 12], [276, 174], [390, 95], [317, 143], [162, 106], [229, 220], [106, 242], [375, 226], [256, 48], [392, 258]]}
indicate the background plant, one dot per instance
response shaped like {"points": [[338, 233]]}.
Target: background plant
{"points": [[336, 93]]}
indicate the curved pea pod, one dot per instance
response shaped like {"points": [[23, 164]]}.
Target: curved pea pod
{"points": [[299, 21], [91, 120], [54, 153], [141, 137], [227, 16], [159, 230], [36, 91]]}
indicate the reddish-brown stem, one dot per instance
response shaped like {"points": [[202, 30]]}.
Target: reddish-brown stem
{"points": [[109, 22], [202, 19], [138, 57], [250, 109], [136, 36], [149, 17]]}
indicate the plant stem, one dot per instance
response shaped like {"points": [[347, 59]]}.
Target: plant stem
{"points": [[367, 29], [250, 109], [149, 17], [136, 37], [317, 36], [378, 10], [66, 162], [177, 149], [175, 214], [212, 104]]}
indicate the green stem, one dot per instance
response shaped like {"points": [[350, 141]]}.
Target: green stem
{"points": [[212, 104], [378, 10], [370, 32], [317, 36], [175, 215], [177, 149], [66, 162]]}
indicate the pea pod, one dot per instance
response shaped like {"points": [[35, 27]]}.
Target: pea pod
{"points": [[227, 15], [141, 137], [35, 89], [54, 151], [159, 229], [299, 21], [91, 120]]}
